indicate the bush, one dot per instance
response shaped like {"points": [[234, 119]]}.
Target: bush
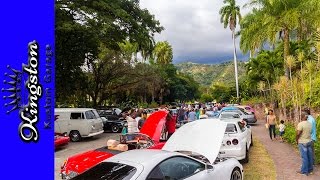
{"points": [[153, 105], [290, 134]]}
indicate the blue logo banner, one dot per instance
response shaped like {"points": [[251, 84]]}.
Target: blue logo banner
{"points": [[27, 89]]}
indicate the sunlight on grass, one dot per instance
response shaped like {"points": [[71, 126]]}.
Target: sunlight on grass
{"points": [[260, 166]]}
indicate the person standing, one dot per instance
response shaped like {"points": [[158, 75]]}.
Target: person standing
{"points": [[303, 139], [170, 124], [132, 123], [313, 132], [197, 113], [192, 116], [282, 127], [181, 115], [142, 119], [271, 121]]}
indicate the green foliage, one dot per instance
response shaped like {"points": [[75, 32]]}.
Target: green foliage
{"points": [[290, 134], [206, 98], [82, 26], [153, 105]]}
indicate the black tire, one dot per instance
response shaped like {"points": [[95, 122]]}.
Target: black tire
{"points": [[246, 159], [251, 141], [75, 136], [236, 174], [115, 128]]}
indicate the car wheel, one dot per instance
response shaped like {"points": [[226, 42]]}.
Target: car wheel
{"points": [[75, 136], [251, 141], [236, 174], [246, 159], [115, 128]]}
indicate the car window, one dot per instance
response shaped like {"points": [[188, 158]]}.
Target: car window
{"points": [[231, 128], [90, 115], [108, 171], [247, 108], [176, 168], [76, 116], [243, 111]]}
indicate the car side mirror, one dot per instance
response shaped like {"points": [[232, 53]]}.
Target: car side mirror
{"points": [[209, 167]]}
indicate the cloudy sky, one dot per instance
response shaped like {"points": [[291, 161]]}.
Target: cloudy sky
{"points": [[194, 30]]}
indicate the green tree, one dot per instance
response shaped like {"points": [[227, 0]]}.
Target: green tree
{"points": [[81, 28], [230, 15], [163, 53]]}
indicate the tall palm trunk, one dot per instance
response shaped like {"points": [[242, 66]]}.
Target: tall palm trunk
{"points": [[235, 64], [286, 44]]}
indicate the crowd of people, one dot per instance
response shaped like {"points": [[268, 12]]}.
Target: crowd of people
{"points": [[136, 118]]}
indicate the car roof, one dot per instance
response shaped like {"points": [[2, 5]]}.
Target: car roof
{"points": [[231, 120], [72, 109], [143, 156], [229, 112]]}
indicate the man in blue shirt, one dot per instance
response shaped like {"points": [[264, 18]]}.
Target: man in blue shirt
{"points": [[192, 116], [313, 132]]}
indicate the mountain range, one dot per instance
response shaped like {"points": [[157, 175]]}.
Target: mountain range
{"points": [[207, 74]]}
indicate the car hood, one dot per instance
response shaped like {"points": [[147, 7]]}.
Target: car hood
{"points": [[202, 136], [154, 124], [82, 162]]}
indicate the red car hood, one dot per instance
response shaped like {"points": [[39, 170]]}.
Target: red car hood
{"points": [[84, 161], [154, 125]]}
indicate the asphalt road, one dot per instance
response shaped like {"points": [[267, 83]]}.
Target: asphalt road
{"points": [[79, 147]]}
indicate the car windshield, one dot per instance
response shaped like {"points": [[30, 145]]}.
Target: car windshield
{"points": [[90, 115], [108, 171]]}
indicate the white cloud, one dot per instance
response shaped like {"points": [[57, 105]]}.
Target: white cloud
{"points": [[193, 28]]}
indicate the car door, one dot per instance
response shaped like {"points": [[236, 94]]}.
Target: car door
{"points": [[179, 167]]}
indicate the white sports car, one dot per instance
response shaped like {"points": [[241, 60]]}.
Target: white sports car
{"points": [[237, 140], [191, 153]]}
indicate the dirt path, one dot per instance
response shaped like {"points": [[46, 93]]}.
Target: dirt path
{"points": [[286, 158]]}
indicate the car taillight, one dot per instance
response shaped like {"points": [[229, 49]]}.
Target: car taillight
{"points": [[235, 141], [228, 143]]}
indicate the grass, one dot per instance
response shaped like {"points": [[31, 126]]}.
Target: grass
{"points": [[260, 165]]}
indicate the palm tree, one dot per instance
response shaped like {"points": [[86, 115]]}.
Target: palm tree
{"points": [[163, 53], [230, 15]]}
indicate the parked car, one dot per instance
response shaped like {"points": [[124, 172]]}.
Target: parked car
{"points": [[112, 125], [249, 118], [78, 122], [237, 140], [196, 160], [60, 140], [248, 109], [149, 137], [110, 115]]}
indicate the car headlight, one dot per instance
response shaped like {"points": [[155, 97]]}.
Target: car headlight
{"points": [[71, 175]]}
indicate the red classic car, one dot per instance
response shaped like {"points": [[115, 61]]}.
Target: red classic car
{"points": [[149, 137], [60, 140]]}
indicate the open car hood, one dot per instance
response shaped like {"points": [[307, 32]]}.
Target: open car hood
{"points": [[203, 137], [154, 124]]}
